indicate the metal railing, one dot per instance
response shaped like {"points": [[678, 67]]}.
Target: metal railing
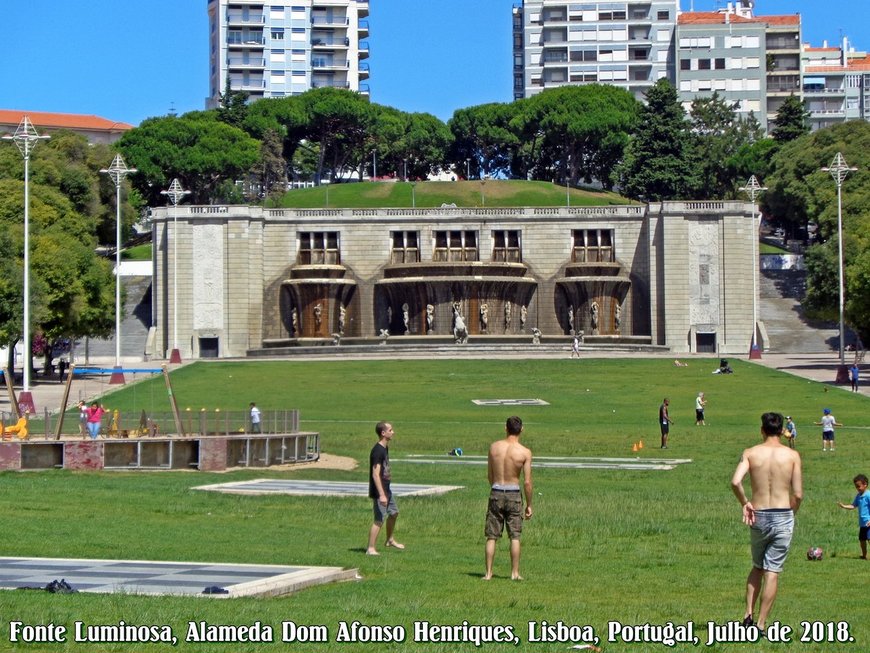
{"points": [[195, 423]]}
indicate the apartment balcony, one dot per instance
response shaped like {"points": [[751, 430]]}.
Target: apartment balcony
{"points": [[827, 113], [364, 90], [363, 50], [247, 43], [241, 63], [326, 65], [239, 20], [329, 83], [363, 29], [815, 91], [329, 43], [362, 8], [336, 22], [363, 70], [252, 85]]}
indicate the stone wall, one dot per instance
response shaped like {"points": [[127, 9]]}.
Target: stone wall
{"points": [[687, 268]]}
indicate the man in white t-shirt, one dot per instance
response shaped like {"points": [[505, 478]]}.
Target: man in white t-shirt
{"points": [[255, 418]]}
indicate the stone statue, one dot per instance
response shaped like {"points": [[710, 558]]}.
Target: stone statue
{"points": [[507, 316], [593, 309], [430, 318], [571, 319], [294, 320], [318, 316], [524, 314], [384, 335], [336, 339], [536, 336], [484, 317], [617, 317], [405, 317], [342, 315], [460, 331], [389, 317]]}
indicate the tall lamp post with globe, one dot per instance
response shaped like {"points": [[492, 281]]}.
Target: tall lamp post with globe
{"points": [[753, 189], [26, 138], [839, 170], [175, 193], [118, 170]]}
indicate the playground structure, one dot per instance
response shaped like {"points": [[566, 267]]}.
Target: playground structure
{"points": [[140, 439]]}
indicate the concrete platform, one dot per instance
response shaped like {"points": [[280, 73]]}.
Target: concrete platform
{"points": [[165, 578], [322, 488]]}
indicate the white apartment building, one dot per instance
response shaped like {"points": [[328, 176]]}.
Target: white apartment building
{"points": [[626, 44], [751, 61], [275, 50], [836, 84]]}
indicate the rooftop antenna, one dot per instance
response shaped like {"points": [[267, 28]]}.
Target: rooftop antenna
{"points": [[172, 111]]}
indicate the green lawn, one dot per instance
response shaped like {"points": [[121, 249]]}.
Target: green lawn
{"points": [[137, 253], [627, 546], [429, 194]]}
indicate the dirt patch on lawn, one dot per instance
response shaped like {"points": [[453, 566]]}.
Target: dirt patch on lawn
{"points": [[326, 461]]}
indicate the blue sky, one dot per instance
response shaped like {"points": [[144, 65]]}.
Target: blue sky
{"points": [[128, 60]]}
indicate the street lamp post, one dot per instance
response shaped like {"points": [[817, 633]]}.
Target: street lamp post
{"points": [[568, 183], [118, 170], [482, 196], [26, 138], [175, 193], [839, 170], [413, 194], [753, 188]]}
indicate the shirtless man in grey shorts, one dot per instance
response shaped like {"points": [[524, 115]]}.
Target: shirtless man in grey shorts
{"points": [[508, 459], [777, 490]]}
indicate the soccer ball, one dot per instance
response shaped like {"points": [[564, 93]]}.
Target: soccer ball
{"points": [[815, 553]]}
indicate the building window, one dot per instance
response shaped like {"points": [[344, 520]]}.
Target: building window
{"points": [[506, 246], [720, 64], [455, 246], [593, 246], [406, 248], [663, 15], [685, 64], [703, 64], [318, 248], [277, 34]]}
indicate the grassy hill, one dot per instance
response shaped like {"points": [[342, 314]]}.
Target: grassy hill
{"points": [[430, 194]]}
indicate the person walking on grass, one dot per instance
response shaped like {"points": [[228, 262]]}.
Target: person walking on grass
{"points": [[384, 506], [665, 421], [861, 503], [854, 375], [828, 423], [777, 491], [507, 461]]}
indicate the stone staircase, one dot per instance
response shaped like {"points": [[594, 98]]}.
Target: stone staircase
{"points": [[789, 330]]}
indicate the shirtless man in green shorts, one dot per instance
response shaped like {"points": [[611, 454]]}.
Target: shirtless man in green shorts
{"points": [[508, 459]]}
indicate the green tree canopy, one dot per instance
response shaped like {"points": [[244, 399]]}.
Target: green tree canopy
{"points": [[483, 141], [799, 190], [657, 164], [197, 148], [792, 120]]}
